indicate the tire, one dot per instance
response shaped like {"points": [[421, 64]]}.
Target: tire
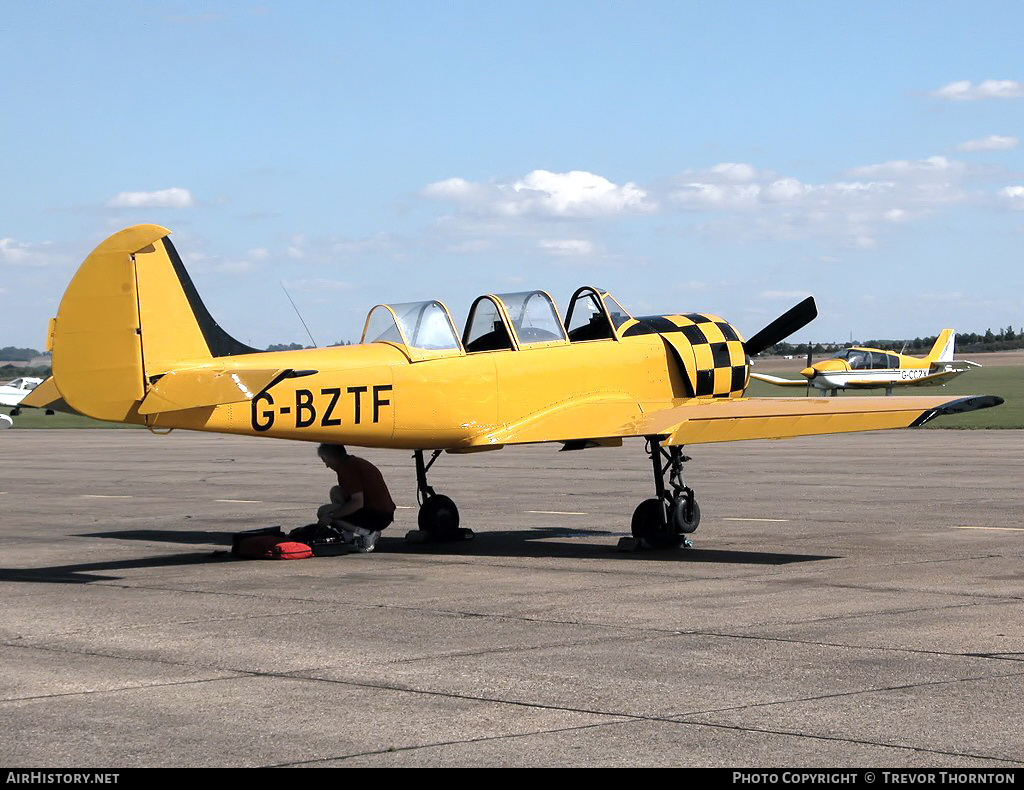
{"points": [[683, 518], [647, 526], [439, 517]]}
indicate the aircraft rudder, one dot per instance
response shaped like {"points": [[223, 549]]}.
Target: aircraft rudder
{"points": [[97, 348], [942, 351]]}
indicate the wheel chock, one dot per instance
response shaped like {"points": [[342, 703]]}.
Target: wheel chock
{"points": [[423, 536]]}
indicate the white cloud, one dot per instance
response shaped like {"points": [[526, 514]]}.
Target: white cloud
{"points": [[782, 295], [544, 193], [470, 247], [747, 203], [1013, 196], [566, 247], [454, 189], [318, 285], [735, 200], [16, 253], [994, 142], [929, 169], [965, 90], [175, 197], [735, 171]]}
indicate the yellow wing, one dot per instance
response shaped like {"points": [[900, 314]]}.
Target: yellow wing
{"points": [[721, 420]]}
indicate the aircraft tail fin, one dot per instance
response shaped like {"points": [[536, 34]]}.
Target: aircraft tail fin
{"points": [[942, 351], [130, 313]]}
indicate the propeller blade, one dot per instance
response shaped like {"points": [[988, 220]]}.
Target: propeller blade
{"points": [[782, 327]]}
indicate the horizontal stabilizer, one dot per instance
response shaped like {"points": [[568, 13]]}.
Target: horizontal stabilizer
{"points": [[198, 387], [956, 366], [47, 396]]}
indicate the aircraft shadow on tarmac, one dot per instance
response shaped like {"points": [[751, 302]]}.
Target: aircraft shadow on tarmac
{"points": [[536, 542]]}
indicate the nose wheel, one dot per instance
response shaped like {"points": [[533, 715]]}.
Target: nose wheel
{"points": [[664, 521], [438, 518]]}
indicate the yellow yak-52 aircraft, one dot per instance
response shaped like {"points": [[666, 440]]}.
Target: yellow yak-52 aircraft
{"points": [[860, 367], [133, 342]]}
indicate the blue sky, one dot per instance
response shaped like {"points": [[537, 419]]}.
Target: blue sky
{"points": [[726, 157]]}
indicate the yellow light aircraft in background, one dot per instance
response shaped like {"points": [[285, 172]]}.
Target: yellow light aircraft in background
{"points": [[860, 367], [133, 342]]}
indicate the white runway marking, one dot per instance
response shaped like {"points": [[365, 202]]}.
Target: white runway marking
{"points": [[107, 496], [243, 501], [998, 529], [557, 512], [779, 520]]}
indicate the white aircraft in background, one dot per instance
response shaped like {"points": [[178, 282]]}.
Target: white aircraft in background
{"points": [[12, 393], [860, 367]]}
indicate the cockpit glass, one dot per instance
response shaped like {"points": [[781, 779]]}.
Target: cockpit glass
{"points": [[857, 360], [584, 311], [534, 317], [424, 325], [381, 326], [589, 312], [618, 312], [485, 331]]}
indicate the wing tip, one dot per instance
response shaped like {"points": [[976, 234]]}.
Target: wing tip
{"points": [[958, 406]]}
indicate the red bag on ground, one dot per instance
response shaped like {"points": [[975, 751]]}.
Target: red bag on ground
{"points": [[272, 547], [268, 544]]}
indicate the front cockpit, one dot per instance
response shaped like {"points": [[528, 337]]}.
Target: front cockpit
{"points": [[26, 383], [868, 359], [594, 315]]}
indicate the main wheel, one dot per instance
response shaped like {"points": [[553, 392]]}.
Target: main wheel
{"points": [[647, 526], [684, 514], [439, 517]]}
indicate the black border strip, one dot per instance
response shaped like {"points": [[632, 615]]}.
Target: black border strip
{"points": [[958, 406], [220, 343]]}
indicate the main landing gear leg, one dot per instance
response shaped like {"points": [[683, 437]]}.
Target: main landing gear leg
{"points": [[438, 517], [664, 521]]}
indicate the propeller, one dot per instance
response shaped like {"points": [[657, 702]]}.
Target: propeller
{"points": [[782, 327]]}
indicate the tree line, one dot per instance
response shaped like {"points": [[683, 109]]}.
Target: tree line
{"points": [[966, 342]]}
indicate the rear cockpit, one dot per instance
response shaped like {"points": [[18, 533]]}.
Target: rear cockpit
{"points": [[423, 330], [497, 322]]}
